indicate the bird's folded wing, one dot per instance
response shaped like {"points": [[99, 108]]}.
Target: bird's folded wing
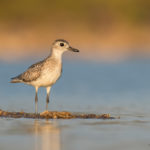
{"points": [[32, 73]]}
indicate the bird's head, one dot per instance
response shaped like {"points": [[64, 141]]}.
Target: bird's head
{"points": [[62, 46]]}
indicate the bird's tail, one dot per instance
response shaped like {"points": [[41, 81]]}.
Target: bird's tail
{"points": [[15, 80]]}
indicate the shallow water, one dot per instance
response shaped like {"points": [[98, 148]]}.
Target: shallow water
{"points": [[27, 134], [121, 89]]}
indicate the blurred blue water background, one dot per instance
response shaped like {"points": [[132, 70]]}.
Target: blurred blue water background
{"points": [[85, 86], [119, 88]]}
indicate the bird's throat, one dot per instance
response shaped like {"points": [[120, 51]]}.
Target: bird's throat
{"points": [[57, 54]]}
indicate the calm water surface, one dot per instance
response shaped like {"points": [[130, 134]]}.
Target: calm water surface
{"points": [[121, 89], [126, 134]]}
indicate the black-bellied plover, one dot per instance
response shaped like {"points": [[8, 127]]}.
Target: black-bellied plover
{"points": [[45, 73]]}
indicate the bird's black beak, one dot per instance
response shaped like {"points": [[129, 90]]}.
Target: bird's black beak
{"points": [[73, 49]]}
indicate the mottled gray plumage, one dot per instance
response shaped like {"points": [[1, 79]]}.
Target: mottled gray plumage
{"points": [[45, 73], [31, 74]]}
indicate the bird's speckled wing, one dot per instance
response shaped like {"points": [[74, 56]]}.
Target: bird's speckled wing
{"points": [[32, 73]]}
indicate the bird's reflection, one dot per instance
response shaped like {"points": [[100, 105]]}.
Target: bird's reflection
{"points": [[47, 135]]}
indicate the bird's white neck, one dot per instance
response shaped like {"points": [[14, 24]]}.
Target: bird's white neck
{"points": [[56, 54]]}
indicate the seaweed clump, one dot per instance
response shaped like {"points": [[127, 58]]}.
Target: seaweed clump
{"points": [[54, 115]]}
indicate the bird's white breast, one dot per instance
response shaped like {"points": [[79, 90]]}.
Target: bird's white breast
{"points": [[49, 74]]}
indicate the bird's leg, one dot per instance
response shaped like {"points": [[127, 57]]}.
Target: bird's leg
{"points": [[47, 96], [36, 100]]}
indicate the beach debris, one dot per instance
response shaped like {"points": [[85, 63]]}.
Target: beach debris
{"points": [[54, 115]]}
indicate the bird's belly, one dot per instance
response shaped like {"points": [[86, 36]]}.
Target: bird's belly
{"points": [[48, 78]]}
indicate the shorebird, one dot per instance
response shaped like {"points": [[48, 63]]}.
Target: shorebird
{"points": [[45, 73]]}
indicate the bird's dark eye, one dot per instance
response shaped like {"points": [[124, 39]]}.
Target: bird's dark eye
{"points": [[62, 44]]}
